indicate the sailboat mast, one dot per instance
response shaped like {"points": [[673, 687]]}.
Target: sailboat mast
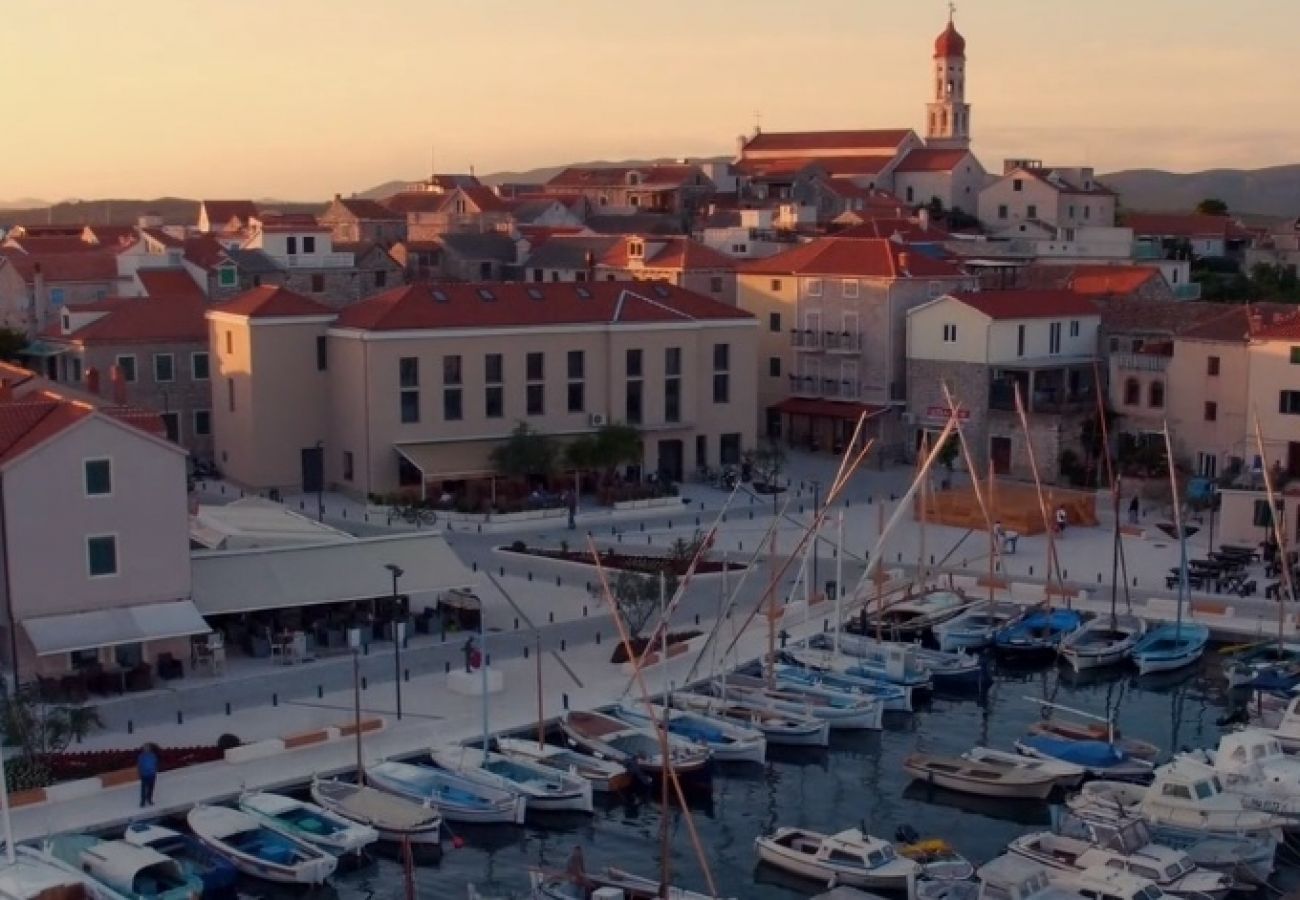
{"points": [[994, 549], [1114, 557], [356, 705], [771, 612], [8, 824], [483, 675], [541, 713], [665, 750], [839, 581], [1285, 576], [920, 562], [1182, 536], [663, 646]]}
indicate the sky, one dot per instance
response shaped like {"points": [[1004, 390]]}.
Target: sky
{"points": [[300, 99]]}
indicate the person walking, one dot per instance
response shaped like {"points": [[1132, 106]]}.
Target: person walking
{"points": [[1061, 519], [147, 766], [1134, 507]]}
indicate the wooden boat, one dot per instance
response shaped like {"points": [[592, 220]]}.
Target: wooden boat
{"points": [[546, 789], [895, 697], [396, 819], [1068, 730], [35, 876], [457, 798], [1103, 641], [257, 850], [849, 858], [309, 823], [975, 628], [1036, 636], [1067, 775], [840, 711], [217, 874], [784, 729], [912, 618], [636, 748], [604, 775], [576, 883], [1170, 646], [129, 870], [962, 775], [727, 741], [1098, 758]]}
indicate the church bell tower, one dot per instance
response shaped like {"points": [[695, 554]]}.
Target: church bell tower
{"points": [[948, 114]]}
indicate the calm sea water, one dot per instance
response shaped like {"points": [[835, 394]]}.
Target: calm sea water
{"points": [[857, 782]]}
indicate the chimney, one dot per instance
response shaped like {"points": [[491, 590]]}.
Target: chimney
{"points": [[92, 380], [338, 197], [119, 384], [924, 217]]}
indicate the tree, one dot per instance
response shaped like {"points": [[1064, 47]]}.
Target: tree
{"points": [[38, 729], [767, 460], [12, 343], [616, 444], [581, 454], [637, 597], [527, 453], [1212, 206]]}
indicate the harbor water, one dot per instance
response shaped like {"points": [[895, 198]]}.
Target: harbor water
{"points": [[857, 782]]}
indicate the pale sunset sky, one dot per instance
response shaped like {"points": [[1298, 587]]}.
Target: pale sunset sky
{"points": [[298, 99]]}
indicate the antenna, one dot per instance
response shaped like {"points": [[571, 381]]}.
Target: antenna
{"points": [[433, 160]]}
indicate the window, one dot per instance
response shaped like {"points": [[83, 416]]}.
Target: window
{"points": [[949, 332], [1156, 395], [814, 287], [410, 406], [577, 396], [452, 410], [774, 321], [1020, 340], [171, 426], [774, 367], [1289, 403], [1054, 338], [1031, 211], [227, 277], [322, 353], [202, 422], [348, 470], [721, 357], [494, 401], [577, 364], [492, 368], [1074, 328], [1211, 411], [56, 296], [673, 361], [634, 364], [1132, 392], [776, 286], [721, 387], [1212, 366], [1295, 356], [99, 478], [715, 284], [451, 370], [199, 366], [230, 342], [672, 399], [126, 364], [308, 244], [408, 372], [291, 245], [1017, 184], [535, 366], [1002, 211], [633, 402], [318, 284], [381, 278], [408, 379], [849, 288], [76, 368], [729, 449], [164, 367], [535, 400], [1087, 211], [101, 555]]}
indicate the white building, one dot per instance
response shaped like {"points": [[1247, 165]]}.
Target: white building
{"points": [[1033, 200]]}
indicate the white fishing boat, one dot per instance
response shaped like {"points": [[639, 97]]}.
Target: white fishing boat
{"points": [[636, 747], [1078, 844], [1067, 775], [396, 819], [910, 618], [866, 656], [778, 728], [849, 858], [309, 823], [1287, 730], [956, 774], [938, 859], [546, 789], [615, 882], [605, 776], [216, 873], [727, 741], [258, 850], [1106, 882], [1103, 641], [1251, 764], [839, 711], [1005, 877], [32, 875], [975, 628], [799, 672], [138, 873], [456, 797]]}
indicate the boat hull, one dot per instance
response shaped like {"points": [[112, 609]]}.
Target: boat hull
{"points": [[741, 745], [1008, 790], [796, 863], [347, 800], [503, 810], [313, 870], [1170, 647]]}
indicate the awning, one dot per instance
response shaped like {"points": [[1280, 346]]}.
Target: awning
{"points": [[45, 348], [110, 627], [286, 577], [827, 409], [450, 460]]}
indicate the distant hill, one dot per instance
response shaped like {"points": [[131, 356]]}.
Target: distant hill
{"points": [[23, 203], [174, 211], [1272, 192]]}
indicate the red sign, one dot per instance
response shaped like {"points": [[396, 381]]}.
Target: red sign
{"points": [[943, 412]]}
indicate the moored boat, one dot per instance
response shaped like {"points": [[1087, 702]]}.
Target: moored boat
{"points": [[457, 798], [605, 776], [576, 883], [778, 728], [640, 749], [839, 710], [938, 859], [216, 873], [975, 628], [1036, 637], [1170, 646], [309, 823], [849, 858], [257, 850], [911, 618], [34, 875], [546, 789], [727, 741], [1103, 641], [968, 777], [1067, 775], [1098, 758], [866, 657], [895, 697], [396, 819], [129, 870], [1068, 730]]}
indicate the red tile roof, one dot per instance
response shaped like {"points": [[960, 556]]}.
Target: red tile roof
{"points": [[57, 244], [853, 257], [221, 212], [1027, 304], [484, 198], [1188, 225], [146, 320], [536, 235], [950, 43], [907, 231], [111, 235], [511, 304], [170, 284], [204, 251], [668, 253], [366, 210], [405, 202], [663, 177], [1285, 327], [881, 139], [932, 160], [29, 421], [93, 265], [1238, 323], [269, 301], [1100, 279], [296, 222]]}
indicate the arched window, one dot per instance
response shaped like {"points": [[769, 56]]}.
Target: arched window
{"points": [[1156, 395], [1132, 392]]}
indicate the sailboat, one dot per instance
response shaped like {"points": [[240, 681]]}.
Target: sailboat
{"points": [[1167, 647], [546, 789]]}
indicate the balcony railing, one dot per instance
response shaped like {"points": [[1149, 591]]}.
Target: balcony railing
{"points": [[832, 388], [1140, 362], [318, 260], [1003, 397], [833, 341], [805, 385], [804, 339], [843, 341]]}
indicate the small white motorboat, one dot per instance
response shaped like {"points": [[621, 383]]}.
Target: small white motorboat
{"points": [[35, 875], [216, 873], [308, 822], [786, 729], [576, 883], [605, 776], [395, 818], [849, 858], [803, 672], [138, 873], [956, 774], [1103, 641], [938, 859], [547, 789], [727, 741], [1005, 877], [257, 849], [911, 618], [1251, 764], [456, 797], [1067, 775]]}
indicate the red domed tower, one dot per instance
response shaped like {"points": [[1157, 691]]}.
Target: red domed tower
{"points": [[948, 114]]}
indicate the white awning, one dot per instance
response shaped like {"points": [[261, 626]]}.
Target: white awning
{"points": [[110, 627], [283, 577]]}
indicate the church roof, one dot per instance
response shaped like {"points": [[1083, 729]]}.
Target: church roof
{"points": [[950, 43], [795, 141]]}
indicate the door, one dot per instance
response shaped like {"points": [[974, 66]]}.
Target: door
{"points": [[1000, 451], [1293, 459], [670, 460], [313, 469]]}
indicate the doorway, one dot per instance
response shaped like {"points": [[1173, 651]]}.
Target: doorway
{"points": [[1000, 453], [670, 460], [313, 470]]}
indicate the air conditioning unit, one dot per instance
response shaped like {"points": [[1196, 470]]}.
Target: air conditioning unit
{"points": [[596, 419]]}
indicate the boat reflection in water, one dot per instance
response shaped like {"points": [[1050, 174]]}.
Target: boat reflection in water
{"points": [[1021, 812]]}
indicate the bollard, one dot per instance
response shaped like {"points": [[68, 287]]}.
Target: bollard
{"points": [[1099, 578], [620, 538], [724, 517], [516, 623], [503, 572], [525, 651], [367, 516], [643, 526], [588, 587], [826, 624], [557, 581], [584, 610], [670, 524], [900, 557], [406, 675], [447, 668], [480, 527], [649, 540], [1065, 573], [697, 618], [345, 512], [473, 566], [868, 499], [365, 686], [1031, 570], [564, 699], [320, 691], [931, 559], [1135, 581], [180, 717], [300, 505], [487, 660], [227, 708], [275, 699], [551, 614], [697, 521], [530, 576], [564, 645], [801, 509], [130, 726], [740, 545]]}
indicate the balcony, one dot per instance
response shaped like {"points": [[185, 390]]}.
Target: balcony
{"points": [[1140, 362], [805, 386], [1054, 391], [843, 342], [317, 260], [810, 341], [842, 389], [806, 340]]}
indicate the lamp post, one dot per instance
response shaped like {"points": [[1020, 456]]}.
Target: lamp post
{"points": [[320, 482], [399, 635], [354, 641], [817, 504]]}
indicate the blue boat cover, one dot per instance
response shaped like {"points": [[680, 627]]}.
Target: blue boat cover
{"points": [[1093, 754]]}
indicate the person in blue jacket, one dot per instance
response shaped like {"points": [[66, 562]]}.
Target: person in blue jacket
{"points": [[147, 766]]}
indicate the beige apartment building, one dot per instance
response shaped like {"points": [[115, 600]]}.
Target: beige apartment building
{"points": [[412, 389]]}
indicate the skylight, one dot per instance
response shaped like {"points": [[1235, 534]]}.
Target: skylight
{"points": [[486, 294], [440, 297], [535, 294], [584, 293]]}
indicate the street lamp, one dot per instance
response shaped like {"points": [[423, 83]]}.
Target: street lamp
{"points": [[354, 642], [320, 482], [399, 635]]}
